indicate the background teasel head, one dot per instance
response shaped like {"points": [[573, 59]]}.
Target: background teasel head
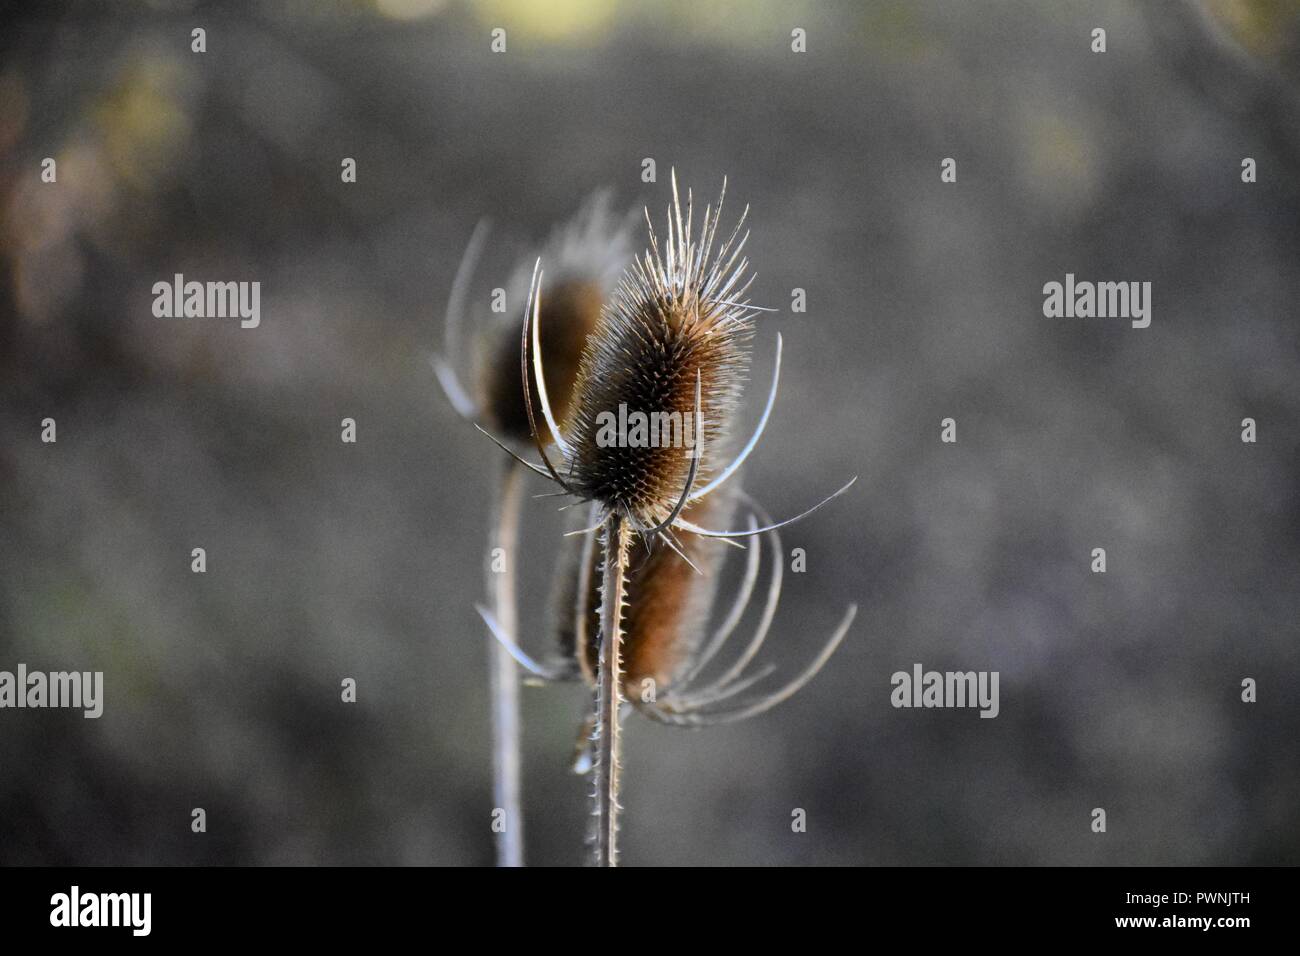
{"points": [[674, 668], [586, 256], [588, 253]]}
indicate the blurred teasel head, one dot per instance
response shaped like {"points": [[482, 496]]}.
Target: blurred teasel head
{"points": [[588, 254]]}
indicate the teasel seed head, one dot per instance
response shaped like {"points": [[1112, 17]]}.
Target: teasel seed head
{"points": [[586, 256], [676, 326], [670, 597]]}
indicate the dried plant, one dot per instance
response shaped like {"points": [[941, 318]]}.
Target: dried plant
{"points": [[673, 340], [590, 252]]}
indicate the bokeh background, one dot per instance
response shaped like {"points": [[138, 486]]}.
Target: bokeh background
{"points": [[327, 560]]}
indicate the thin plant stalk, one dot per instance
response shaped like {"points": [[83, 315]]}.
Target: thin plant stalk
{"points": [[504, 680], [609, 693]]}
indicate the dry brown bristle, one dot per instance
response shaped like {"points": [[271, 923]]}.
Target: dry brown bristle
{"points": [[646, 358]]}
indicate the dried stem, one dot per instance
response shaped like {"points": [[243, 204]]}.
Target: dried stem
{"points": [[504, 671], [609, 694]]}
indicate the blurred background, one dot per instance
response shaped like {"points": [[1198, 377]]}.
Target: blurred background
{"points": [[327, 560]]}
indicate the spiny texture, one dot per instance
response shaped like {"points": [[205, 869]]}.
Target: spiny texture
{"points": [[584, 259], [673, 320]]}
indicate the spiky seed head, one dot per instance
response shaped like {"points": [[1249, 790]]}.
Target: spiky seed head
{"points": [[668, 601], [584, 258], [674, 319]]}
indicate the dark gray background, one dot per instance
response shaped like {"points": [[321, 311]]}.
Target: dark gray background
{"points": [[325, 560]]}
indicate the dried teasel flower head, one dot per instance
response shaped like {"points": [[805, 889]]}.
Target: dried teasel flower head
{"points": [[670, 354], [587, 255], [670, 595], [670, 347], [675, 668]]}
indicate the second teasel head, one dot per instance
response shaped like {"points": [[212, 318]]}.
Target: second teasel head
{"points": [[586, 256], [670, 597]]}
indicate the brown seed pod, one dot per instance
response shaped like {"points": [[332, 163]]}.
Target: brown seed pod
{"points": [[669, 605], [669, 600], [662, 339], [585, 258]]}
